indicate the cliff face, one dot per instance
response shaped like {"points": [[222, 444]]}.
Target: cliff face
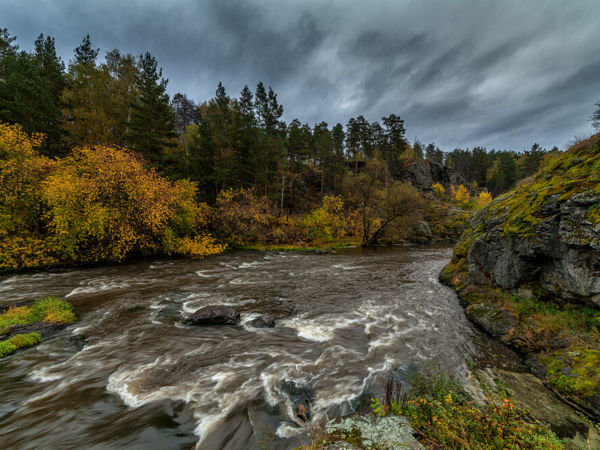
{"points": [[528, 271], [546, 232], [423, 174]]}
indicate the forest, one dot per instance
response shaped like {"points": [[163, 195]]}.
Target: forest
{"points": [[99, 163]]}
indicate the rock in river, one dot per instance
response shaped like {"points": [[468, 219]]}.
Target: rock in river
{"points": [[214, 315], [262, 322]]}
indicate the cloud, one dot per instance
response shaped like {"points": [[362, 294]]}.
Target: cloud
{"points": [[462, 73]]}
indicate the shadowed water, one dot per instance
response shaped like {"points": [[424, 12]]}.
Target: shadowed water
{"points": [[130, 374]]}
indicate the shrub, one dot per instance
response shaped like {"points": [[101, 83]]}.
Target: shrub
{"points": [[98, 204], [446, 417]]}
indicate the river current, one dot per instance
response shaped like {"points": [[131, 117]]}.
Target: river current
{"points": [[130, 373]]}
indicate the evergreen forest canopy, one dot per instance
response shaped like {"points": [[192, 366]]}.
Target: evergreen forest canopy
{"points": [[225, 142]]}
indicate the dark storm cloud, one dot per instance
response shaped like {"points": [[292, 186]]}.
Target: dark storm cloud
{"points": [[461, 73]]}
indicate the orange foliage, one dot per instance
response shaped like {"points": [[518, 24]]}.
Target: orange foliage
{"points": [[98, 204]]}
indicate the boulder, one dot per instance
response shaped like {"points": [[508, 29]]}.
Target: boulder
{"points": [[214, 315], [301, 398], [390, 432], [262, 322], [493, 319], [561, 252]]}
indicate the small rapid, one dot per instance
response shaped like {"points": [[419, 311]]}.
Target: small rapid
{"points": [[131, 374]]}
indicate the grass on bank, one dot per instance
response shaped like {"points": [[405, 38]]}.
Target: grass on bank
{"points": [[50, 310]]}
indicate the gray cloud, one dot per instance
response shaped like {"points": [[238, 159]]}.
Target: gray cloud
{"points": [[461, 73]]}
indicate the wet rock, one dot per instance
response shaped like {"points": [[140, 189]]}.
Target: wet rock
{"points": [[78, 341], [561, 253], [262, 322], [545, 405], [42, 328], [4, 308], [422, 232], [214, 315], [286, 307], [493, 319], [390, 432], [301, 398], [321, 252]]}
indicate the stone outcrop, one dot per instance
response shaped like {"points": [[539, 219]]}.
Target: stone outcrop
{"points": [[391, 432], [423, 174], [214, 315], [560, 253]]}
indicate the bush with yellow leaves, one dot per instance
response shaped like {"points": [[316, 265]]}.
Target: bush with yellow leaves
{"points": [[98, 204]]}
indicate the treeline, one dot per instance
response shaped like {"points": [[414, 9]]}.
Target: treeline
{"points": [[226, 142], [498, 171]]}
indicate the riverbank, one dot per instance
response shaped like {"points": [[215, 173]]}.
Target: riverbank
{"points": [[526, 272]]}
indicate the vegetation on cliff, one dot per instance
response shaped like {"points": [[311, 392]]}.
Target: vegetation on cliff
{"points": [[527, 272]]}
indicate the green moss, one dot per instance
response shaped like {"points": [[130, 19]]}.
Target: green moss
{"points": [[574, 371], [51, 309], [18, 341], [572, 172]]}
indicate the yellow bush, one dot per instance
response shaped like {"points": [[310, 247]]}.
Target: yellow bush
{"points": [[484, 198], [460, 194], [98, 204], [439, 191]]}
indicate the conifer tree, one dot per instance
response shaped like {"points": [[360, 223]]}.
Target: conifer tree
{"points": [[85, 53], [152, 126]]}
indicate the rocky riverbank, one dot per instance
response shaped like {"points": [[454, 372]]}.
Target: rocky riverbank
{"points": [[527, 271]]}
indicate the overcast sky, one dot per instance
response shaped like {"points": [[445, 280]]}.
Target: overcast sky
{"points": [[501, 74]]}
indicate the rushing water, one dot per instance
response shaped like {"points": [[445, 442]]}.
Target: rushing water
{"points": [[130, 374]]}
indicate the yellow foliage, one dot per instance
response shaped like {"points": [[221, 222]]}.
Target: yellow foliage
{"points": [[199, 246], [98, 204], [439, 191], [331, 221], [460, 194], [484, 198]]}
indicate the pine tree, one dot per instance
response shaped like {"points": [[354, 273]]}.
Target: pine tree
{"points": [[85, 53], [246, 136], [152, 127], [595, 119]]}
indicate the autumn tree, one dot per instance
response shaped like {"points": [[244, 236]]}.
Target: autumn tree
{"points": [[381, 205]]}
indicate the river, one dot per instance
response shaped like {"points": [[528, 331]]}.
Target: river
{"points": [[131, 374]]}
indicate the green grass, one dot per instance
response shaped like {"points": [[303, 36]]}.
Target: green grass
{"points": [[51, 309], [18, 341]]}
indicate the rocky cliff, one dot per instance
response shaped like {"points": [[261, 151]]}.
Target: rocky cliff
{"points": [[423, 174], [528, 271]]}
